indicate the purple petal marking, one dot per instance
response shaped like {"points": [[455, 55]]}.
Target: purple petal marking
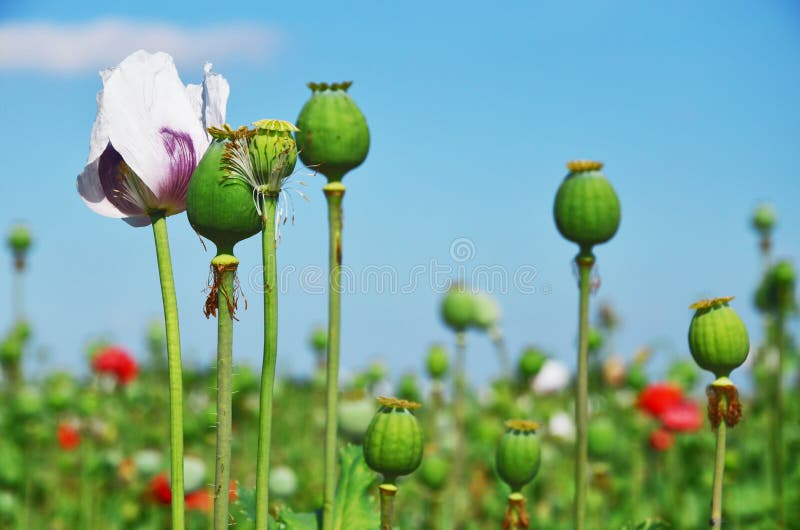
{"points": [[182, 163], [110, 169]]}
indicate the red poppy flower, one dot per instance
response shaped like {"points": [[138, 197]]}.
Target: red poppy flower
{"points": [[658, 397], [159, 488], [661, 439], [684, 416], [200, 500], [117, 362], [68, 437]]}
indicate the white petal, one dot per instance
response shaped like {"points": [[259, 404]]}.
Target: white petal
{"points": [[194, 93], [141, 97], [92, 193], [215, 98]]}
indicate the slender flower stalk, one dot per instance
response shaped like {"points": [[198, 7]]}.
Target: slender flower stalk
{"points": [[19, 241], [333, 139], [585, 261], [719, 343], [174, 363], [263, 158], [334, 193], [719, 470], [147, 137], [268, 241]]}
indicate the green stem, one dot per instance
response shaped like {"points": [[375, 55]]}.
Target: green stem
{"points": [[585, 261], [435, 512], [17, 296], [224, 272], [334, 192], [174, 364], [459, 414], [719, 469], [502, 352], [777, 419], [268, 243], [387, 491]]}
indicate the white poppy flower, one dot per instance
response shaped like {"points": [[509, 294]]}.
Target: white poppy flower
{"points": [[561, 426], [149, 135], [553, 377]]}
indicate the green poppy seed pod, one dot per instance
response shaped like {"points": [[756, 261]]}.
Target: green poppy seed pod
{"points": [[587, 209], [518, 453], [220, 208], [764, 218], [319, 340], [393, 444], [19, 239], [437, 362], [10, 350], [602, 437], [776, 292], [458, 308], [282, 481], [434, 472], [355, 415], [530, 362], [595, 340], [333, 136], [636, 378], [408, 389], [717, 337], [486, 313], [273, 153]]}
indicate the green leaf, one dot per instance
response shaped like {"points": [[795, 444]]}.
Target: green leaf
{"points": [[353, 506], [289, 520]]}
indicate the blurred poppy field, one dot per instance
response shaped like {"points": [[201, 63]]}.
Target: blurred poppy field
{"points": [[90, 452]]}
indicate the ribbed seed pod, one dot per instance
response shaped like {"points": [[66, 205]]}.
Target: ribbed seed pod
{"points": [[393, 444], [518, 454], [718, 338], [220, 208], [586, 210], [333, 136]]}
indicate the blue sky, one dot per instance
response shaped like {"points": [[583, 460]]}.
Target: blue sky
{"points": [[474, 111]]}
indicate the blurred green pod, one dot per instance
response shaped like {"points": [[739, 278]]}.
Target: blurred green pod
{"points": [[518, 454]]}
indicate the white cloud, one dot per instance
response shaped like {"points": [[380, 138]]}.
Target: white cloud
{"points": [[74, 48]]}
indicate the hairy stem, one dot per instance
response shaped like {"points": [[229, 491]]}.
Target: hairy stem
{"points": [[268, 244], [719, 468], [387, 491], [224, 273], [334, 192], [502, 351], [585, 261], [174, 366]]}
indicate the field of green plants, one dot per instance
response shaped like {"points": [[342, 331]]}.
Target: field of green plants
{"points": [[144, 443]]}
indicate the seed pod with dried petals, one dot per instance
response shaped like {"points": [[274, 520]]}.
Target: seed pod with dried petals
{"points": [[718, 338]]}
